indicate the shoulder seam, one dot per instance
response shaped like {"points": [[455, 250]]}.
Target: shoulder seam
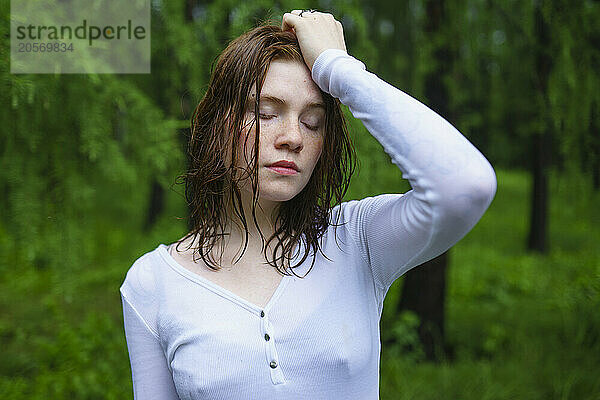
{"points": [[152, 331]]}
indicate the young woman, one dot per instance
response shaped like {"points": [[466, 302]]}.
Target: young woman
{"points": [[224, 314]]}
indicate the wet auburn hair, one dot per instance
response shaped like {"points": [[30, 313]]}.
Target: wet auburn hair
{"points": [[216, 125]]}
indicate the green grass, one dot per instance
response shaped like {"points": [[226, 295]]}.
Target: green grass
{"points": [[523, 326]]}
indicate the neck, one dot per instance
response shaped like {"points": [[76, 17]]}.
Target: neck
{"points": [[266, 212]]}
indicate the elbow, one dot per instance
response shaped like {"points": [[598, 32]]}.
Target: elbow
{"points": [[483, 189], [479, 190], [470, 195]]}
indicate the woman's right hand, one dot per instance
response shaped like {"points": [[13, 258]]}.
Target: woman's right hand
{"points": [[316, 32]]}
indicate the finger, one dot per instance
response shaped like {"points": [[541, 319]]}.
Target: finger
{"points": [[290, 21]]}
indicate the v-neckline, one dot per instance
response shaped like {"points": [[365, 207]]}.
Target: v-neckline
{"points": [[225, 293]]}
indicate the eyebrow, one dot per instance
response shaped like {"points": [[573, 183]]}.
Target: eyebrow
{"points": [[277, 100]]}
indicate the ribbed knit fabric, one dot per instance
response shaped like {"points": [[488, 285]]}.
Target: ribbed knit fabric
{"points": [[191, 339]]}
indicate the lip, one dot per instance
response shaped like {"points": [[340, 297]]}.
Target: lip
{"points": [[284, 164], [283, 171]]}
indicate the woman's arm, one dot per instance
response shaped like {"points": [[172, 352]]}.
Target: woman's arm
{"points": [[151, 376], [453, 184]]}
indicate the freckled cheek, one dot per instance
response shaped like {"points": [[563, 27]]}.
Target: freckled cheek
{"points": [[319, 151]]}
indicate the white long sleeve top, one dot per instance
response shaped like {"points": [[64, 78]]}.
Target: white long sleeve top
{"points": [[317, 337]]}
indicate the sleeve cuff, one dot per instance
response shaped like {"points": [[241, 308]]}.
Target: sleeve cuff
{"points": [[324, 66]]}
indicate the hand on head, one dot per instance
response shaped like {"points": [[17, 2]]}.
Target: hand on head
{"points": [[316, 32]]}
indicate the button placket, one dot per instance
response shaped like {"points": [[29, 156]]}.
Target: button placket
{"points": [[271, 356]]}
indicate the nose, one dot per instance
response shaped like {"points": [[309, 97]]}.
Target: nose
{"points": [[290, 135]]}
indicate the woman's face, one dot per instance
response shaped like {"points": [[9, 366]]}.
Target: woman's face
{"points": [[292, 119]]}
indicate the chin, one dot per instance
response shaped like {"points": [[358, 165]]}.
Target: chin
{"points": [[279, 196]]}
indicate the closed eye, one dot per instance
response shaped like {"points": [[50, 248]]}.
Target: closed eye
{"points": [[266, 116], [311, 127]]}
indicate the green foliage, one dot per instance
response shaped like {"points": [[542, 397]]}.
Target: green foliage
{"points": [[407, 345], [54, 349], [77, 148]]}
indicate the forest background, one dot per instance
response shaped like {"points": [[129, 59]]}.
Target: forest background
{"points": [[88, 164]]}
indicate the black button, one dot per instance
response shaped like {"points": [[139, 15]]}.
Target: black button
{"points": [[262, 313], [267, 337], [273, 364]]}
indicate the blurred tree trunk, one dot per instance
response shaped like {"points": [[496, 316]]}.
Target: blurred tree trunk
{"points": [[596, 171], [538, 223], [596, 163], [595, 146], [156, 204], [424, 288], [424, 293]]}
